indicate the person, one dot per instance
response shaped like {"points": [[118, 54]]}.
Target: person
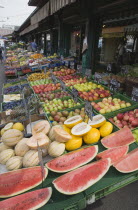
{"points": [[34, 46], [1, 57], [120, 52]]}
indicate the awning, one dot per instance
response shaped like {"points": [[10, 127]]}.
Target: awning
{"points": [[56, 5], [131, 28], [28, 29]]}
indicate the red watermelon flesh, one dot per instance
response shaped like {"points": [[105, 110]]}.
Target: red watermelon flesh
{"points": [[114, 153], [128, 163], [31, 200], [119, 138], [81, 178], [72, 160], [15, 182]]}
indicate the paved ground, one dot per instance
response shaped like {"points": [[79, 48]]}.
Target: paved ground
{"points": [[123, 199]]}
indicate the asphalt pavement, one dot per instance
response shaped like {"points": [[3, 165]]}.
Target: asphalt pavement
{"points": [[124, 199]]}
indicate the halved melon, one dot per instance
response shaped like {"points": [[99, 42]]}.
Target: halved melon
{"points": [[41, 138], [97, 121], [80, 129], [72, 121], [8, 126], [42, 126], [61, 135]]}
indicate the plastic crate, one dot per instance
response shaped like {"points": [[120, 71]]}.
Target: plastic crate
{"points": [[124, 98]]}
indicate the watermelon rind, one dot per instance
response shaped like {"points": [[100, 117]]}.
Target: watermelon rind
{"points": [[90, 183], [77, 166], [106, 154], [116, 165], [25, 189], [23, 200]]}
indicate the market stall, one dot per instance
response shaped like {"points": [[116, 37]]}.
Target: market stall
{"points": [[64, 134]]}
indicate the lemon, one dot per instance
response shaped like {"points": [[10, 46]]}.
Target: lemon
{"points": [[18, 126], [106, 129], [74, 143], [92, 136]]}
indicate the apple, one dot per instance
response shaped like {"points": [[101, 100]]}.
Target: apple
{"points": [[102, 111], [123, 105]]}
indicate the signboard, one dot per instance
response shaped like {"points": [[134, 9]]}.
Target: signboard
{"points": [[63, 86], [54, 79], [135, 94], [72, 64], [88, 73], [79, 69], [114, 85], [74, 94], [98, 78], [88, 109]]}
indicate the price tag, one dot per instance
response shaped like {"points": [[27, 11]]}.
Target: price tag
{"points": [[72, 64], [88, 109], [45, 70], [79, 69], [114, 85], [66, 63], [97, 78], [135, 94], [63, 86], [125, 69], [109, 68], [88, 73], [54, 79]]}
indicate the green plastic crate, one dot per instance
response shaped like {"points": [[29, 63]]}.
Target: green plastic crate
{"points": [[122, 97]]}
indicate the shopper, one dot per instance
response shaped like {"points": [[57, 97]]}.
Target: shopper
{"points": [[120, 52], [34, 46]]}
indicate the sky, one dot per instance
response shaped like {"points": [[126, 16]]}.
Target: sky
{"points": [[15, 12]]}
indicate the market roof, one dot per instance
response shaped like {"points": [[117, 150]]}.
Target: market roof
{"points": [[132, 28], [37, 2]]}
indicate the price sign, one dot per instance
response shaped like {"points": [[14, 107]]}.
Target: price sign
{"points": [[72, 64], [79, 69], [97, 78], [125, 69], [45, 70], [109, 68], [114, 85], [88, 73], [88, 109], [51, 71], [135, 94], [63, 86], [66, 63], [54, 79]]}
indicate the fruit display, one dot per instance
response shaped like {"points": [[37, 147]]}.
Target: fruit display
{"points": [[127, 119], [68, 77], [11, 105], [12, 89], [56, 149], [81, 178], [58, 104], [73, 82], [46, 88], [128, 163], [61, 117], [64, 72], [26, 178], [53, 95], [119, 138], [35, 199], [38, 76], [72, 160], [10, 73], [115, 154], [40, 82], [110, 104], [87, 86]]}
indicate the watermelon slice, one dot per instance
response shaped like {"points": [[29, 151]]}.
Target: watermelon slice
{"points": [[119, 138], [114, 153], [81, 178], [128, 163], [31, 200], [72, 160], [16, 182]]}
